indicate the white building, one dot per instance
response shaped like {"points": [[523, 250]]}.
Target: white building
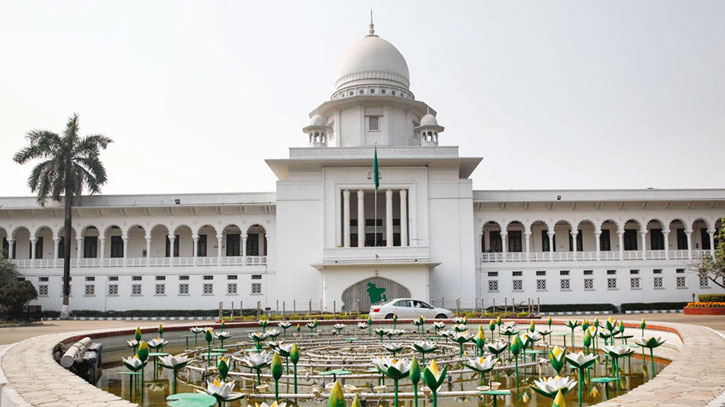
{"points": [[321, 238]]}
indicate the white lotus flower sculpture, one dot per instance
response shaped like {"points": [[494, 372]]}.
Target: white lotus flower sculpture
{"points": [[256, 361], [393, 348], [482, 365], [222, 391], [549, 386], [157, 343]]}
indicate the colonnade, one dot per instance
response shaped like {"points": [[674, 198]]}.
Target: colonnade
{"points": [[346, 229]]}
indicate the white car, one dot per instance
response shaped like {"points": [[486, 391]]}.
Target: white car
{"points": [[408, 308]]}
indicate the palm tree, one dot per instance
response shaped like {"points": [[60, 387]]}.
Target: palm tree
{"points": [[69, 164]]}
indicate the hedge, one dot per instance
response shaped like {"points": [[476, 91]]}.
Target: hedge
{"points": [[641, 306], [578, 308], [711, 297]]}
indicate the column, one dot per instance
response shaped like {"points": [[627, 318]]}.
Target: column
{"points": [[621, 245], [644, 244], [551, 244], [102, 253], [148, 250], [346, 218], [243, 249], [172, 240], [712, 242], [32, 251], [573, 233], [688, 233], [194, 247], [597, 242], [504, 246], [404, 217], [219, 239], [79, 249], [11, 247], [527, 235], [125, 249], [360, 218], [666, 235], [56, 243], [389, 217]]}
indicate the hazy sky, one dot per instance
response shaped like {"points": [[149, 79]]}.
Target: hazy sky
{"points": [[555, 94]]}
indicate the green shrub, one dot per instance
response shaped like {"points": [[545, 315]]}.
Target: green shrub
{"points": [[652, 306], [578, 308], [711, 297], [522, 314]]}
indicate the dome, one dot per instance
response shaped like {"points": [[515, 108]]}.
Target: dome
{"points": [[372, 60], [428, 120], [318, 120]]}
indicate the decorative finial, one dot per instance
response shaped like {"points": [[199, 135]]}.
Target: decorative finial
{"points": [[371, 29]]}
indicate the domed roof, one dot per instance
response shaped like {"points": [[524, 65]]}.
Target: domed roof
{"points": [[318, 120], [372, 60], [428, 120]]}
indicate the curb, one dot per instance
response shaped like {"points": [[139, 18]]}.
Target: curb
{"points": [[665, 311]]}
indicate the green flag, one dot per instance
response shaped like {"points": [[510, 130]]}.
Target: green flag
{"points": [[376, 172]]}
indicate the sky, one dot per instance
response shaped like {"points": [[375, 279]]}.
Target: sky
{"points": [[553, 95]]}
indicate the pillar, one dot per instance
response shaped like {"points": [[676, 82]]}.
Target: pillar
{"points": [[404, 217], [504, 245], [172, 240], [219, 239], [644, 244], [194, 246], [346, 218], [597, 242], [712, 242], [125, 249], [688, 233], [79, 249], [551, 244], [573, 233], [56, 243], [243, 249], [32, 251], [389, 217], [621, 244], [11, 246], [527, 235], [666, 235], [148, 250], [360, 218], [102, 253]]}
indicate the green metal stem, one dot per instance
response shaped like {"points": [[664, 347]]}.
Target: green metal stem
{"points": [[581, 384], [295, 374]]}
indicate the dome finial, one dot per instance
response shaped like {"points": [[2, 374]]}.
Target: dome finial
{"points": [[371, 27]]}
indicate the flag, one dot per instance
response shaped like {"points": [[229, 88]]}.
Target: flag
{"points": [[376, 172]]}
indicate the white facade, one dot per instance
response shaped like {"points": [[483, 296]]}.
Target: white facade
{"points": [[325, 234]]}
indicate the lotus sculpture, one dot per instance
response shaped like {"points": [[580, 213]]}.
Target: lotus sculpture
{"points": [[572, 324], [339, 328], [616, 352], [650, 343], [222, 336], [557, 357], [581, 362], [174, 363], [551, 386], [284, 325], [424, 347], [395, 369], [433, 378], [222, 391], [256, 362], [482, 365], [393, 348]]}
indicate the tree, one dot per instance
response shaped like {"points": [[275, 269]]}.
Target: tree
{"points": [[713, 267], [13, 297], [7, 271], [69, 164]]}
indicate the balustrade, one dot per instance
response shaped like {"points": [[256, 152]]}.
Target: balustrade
{"points": [[142, 262]]}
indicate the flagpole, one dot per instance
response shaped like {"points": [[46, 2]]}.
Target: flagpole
{"points": [[375, 221]]}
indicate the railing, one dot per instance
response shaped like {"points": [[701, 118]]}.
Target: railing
{"points": [[627, 255], [375, 255], [143, 262]]}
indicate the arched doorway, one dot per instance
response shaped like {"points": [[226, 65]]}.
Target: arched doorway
{"points": [[374, 290]]}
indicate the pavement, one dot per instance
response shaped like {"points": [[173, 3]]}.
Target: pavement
{"points": [[15, 334]]}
